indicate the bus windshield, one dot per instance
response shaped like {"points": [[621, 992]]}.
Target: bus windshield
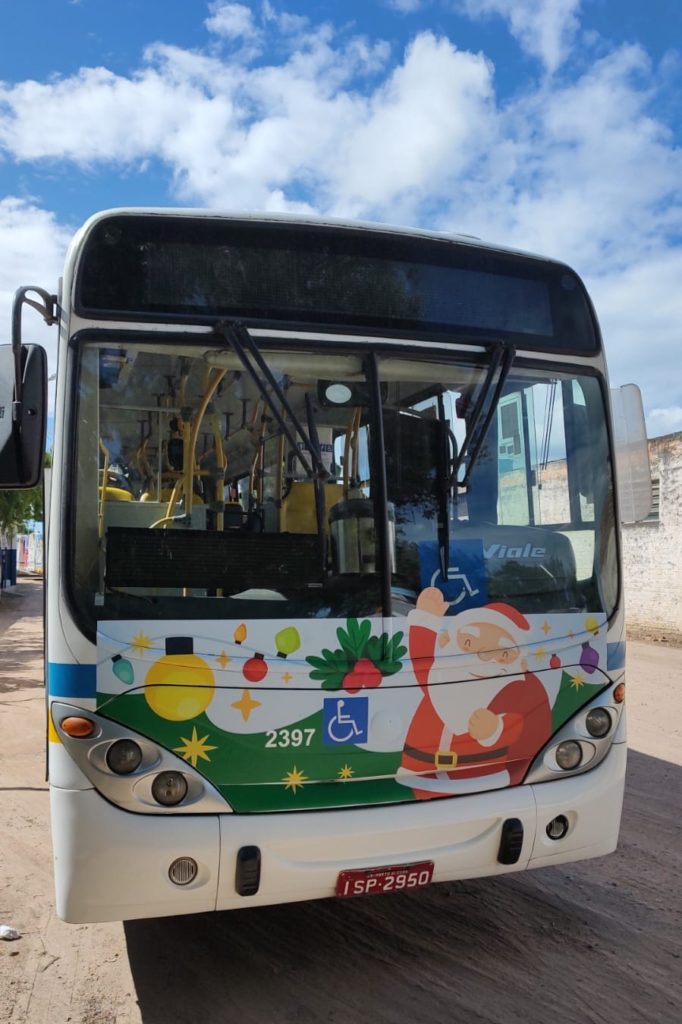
{"points": [[197, 494]]}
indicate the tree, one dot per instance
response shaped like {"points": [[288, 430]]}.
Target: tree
{"points": [[17, 508]]}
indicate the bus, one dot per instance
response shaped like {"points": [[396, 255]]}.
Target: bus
{"points": [[334, 595]]}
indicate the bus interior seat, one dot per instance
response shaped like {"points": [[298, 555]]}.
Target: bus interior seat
{"points": [[298, 513], [146, 513], [234, 516]]}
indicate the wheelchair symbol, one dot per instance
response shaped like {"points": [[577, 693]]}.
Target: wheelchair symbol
{"points": [[454, 575], [341, 726]]}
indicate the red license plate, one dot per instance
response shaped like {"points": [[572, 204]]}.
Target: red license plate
{"points": [[396, 878]]}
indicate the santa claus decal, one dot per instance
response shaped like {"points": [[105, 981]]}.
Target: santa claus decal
{"points": [[483, 715]]}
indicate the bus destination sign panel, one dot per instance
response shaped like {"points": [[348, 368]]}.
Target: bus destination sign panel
{"points": [[143, 267]]}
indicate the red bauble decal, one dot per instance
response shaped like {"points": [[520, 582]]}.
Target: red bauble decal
{"points": [[255, 669]]}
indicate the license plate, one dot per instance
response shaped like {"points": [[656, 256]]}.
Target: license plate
{"points": [[396, 878]]}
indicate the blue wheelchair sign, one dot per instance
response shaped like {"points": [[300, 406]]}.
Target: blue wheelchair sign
{"points": [[465, 585], [345, 720]]}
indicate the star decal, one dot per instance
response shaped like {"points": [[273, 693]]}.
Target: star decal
{"points": [[287, 677], [246, 705], [223, 660], [346, 772], [195, 748], [577, 682], [546, 628], [294, 779], [541, 653], [141, 643]]}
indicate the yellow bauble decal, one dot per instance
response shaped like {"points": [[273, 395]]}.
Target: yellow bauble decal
{"points": [[180, 685]]}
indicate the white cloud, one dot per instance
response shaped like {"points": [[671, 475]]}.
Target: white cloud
{"points": [[405, 6], [289, 24], [544, 28], [426, 125], [231, 21], [581, 171], [640, 312], [664, 421], [32, 248], [231, 135]]}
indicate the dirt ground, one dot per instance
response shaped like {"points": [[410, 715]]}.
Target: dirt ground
{"points": [[599, 941]]}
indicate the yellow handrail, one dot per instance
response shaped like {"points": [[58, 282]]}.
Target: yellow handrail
{"points": [[194, 434], [103, 488], [351, 445]]}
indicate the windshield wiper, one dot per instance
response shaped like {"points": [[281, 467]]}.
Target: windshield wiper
{"points": [[445, 489], [481, 417], [237, 335]]}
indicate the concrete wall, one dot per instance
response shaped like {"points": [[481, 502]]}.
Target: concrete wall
{"points": [[652, 551]]}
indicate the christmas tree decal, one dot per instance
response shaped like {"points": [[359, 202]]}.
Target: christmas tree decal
{"points": [[574, 693], [361, 660]]}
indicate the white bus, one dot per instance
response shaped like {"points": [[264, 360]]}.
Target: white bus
{"points": [[334, 601]]}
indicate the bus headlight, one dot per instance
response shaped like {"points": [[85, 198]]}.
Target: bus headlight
{"points": [[130, 770], [581, 743], [169, 788], [598, 722], [124, 757], [568, 755]]}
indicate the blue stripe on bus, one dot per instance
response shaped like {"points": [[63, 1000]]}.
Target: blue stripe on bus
{"points": [[615, 656], [71, 680]]}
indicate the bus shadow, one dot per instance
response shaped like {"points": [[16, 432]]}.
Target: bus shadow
{"points": [[481, 950]]}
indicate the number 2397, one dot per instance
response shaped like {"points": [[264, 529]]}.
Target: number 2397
{"points": [[289, 737]]}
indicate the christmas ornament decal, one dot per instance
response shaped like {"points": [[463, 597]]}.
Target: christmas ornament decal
{"points": [[122, 669], [180, 685], [287, 641], [255, 669], [589, 659]]}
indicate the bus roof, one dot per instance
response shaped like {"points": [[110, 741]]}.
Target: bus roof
{"points": [[313, 220]]}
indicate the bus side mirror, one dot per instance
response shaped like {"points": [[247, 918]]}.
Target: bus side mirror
{"points": [[632, 453], [22, 423]]}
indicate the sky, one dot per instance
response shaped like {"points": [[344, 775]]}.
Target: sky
{"points": [[548, 125]]}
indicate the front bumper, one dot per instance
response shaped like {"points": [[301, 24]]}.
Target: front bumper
{"points": [[111, 865]]}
